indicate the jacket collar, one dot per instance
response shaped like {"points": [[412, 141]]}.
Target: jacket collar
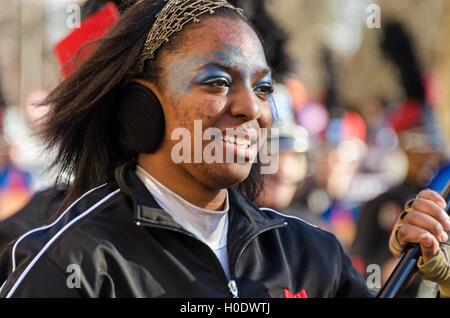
{"points": [[245, 219]]}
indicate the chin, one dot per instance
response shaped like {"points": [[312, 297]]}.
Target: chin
{"points": [[226, 175]]}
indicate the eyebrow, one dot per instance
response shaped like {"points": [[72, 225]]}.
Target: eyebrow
{"points": [[228, 68]]}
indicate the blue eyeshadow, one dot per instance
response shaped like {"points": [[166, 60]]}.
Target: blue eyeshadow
{"points": [[211, 72], [265, 80]]}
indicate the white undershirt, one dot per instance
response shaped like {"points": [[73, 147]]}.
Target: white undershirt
{"points": [[211, 227]]}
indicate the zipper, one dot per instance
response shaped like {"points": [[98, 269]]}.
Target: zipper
{"points": [[232, 286]]}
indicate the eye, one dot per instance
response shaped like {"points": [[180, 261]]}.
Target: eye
{"points": [[218, 82], [264, 90]]}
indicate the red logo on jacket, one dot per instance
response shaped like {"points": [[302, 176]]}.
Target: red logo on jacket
{"points": [[289, 294]]}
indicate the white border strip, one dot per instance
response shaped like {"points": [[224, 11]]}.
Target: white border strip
{"points": [[13, 254], [3, 285], [43, 250], [289, 216]]}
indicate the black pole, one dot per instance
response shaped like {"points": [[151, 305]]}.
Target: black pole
{"points": [[406, 268]]}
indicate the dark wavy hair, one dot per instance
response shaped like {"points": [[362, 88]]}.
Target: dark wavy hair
{"points": [[82, 124]]}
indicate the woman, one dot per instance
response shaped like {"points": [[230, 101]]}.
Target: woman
{"points": [[140, 219]]}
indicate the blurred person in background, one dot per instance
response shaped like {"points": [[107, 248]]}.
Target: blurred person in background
{"points": [[422, 144], [378, 216], [15, 184], [280, 188], [330, 191], [336, 161]]}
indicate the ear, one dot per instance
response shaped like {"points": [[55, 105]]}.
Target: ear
{"points": [[141, 117]]}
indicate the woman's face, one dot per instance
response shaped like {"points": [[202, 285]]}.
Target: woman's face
{"points": [[217, 78]]}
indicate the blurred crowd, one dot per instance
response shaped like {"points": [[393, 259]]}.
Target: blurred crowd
{"points": [[348, 170]]}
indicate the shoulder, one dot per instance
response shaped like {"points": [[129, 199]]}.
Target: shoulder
{"points": [[308, 247], [271, 213], [300, 230], [30, 251], [39, 209]]}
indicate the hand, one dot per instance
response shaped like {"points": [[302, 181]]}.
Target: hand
{"points": [[425, 222]]}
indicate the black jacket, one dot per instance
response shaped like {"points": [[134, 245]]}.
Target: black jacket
{"points": [[41, 208], [115, 241]]}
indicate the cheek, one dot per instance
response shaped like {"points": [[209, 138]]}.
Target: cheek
{"points": [[184, 112], [209, 109]]}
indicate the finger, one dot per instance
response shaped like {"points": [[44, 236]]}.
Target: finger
{"points": [[428, 223], [429, 247], [432, 209], [409, 233], [433, 196]]}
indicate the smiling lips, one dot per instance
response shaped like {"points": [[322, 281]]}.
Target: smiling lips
{"points": [[243, 142], [243, 146]]}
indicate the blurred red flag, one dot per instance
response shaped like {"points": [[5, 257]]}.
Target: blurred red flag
{"points": [[92, 28]]}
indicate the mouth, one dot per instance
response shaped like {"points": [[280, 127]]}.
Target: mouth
{"points": [[242, 145], [238, 141]]}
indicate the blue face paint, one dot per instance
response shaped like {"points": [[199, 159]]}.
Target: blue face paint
{"points": [[183, 73], [265, 81], [211, 73]]}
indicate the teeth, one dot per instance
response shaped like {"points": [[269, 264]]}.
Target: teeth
{"points": [[237, 141]]}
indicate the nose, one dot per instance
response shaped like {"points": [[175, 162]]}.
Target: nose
{"points": [[245, 105]]}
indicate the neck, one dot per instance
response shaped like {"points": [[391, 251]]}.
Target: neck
{"points": [[179, 181]]}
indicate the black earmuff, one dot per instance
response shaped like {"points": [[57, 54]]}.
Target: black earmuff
{"points": [[141, 119]]}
